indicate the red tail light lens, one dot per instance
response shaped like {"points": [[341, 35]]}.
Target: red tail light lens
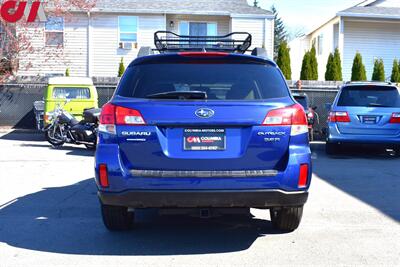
{"points": [[303, 176], [107, 115], [395, 118], [103, 175], [293, 115], [112, 115], [127, 116], [339, 116]]}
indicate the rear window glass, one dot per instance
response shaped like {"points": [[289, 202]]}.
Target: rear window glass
{"points": [[218, 81], [370, 96], [71, 93]]}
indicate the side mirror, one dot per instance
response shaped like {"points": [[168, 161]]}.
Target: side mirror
{"points": [[328, 106]]}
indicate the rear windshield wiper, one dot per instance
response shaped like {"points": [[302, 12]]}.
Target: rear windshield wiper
{"points": [[179, 95], [377, 105]]}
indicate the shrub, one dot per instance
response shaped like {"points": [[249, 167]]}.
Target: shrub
{"points": [[306, 68], [283, 60], [334, 67], [313, 63], [338, 65], [121, 68], [67, 72], [379, 71], [358, 72], [330, 69], [395, 72]]}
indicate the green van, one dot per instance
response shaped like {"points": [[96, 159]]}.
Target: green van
{"points": [[74, 94]]}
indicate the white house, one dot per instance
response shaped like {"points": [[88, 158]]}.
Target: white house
{"points": [[92, 43], [371, 28]]}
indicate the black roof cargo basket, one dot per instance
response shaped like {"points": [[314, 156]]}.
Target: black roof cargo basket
{"points": [[235, 42]]}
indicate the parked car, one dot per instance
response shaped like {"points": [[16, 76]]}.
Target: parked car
{"points": [[312, 115], [80, 93], [203, 130], [364, 113]]}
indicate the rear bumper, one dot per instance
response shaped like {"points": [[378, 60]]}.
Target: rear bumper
{"points": [[204, 198], [335, 136]]}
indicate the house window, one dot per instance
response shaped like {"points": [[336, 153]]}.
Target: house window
{"points": [[127, 28], [197, 28], [320, 44], [54, 31]]}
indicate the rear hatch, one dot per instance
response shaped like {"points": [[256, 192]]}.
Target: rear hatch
{"points": [[202, 114], [370, 109]]}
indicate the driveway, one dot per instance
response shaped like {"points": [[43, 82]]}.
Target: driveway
{"points": [[49, 215]]}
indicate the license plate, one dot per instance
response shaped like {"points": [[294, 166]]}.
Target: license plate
{"points": [[204, 139], [369, 120]]}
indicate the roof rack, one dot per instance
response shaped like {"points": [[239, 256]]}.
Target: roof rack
{"points": [[235, 42]]}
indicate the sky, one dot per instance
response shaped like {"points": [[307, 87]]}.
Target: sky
{"points": [[304, 15]]}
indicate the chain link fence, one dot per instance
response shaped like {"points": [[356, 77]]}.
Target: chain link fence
{"points": [[16, 99]]}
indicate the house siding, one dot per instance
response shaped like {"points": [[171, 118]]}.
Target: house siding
{"points": [[51, 60], [105, 40], [373, 39], [298, 47], [330, 41], [328, 44], [261, 30], [223, 22], [91, 45]]}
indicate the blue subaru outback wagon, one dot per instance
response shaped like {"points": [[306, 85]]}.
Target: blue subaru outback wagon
{"points": [[208, 128]]}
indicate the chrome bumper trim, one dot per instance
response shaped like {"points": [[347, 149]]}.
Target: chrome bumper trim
{"points": [[203, 174]]}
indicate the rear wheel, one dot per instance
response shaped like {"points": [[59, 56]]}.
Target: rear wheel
{"points": [[331, 148], [286, 219], [117, 218], [52, 138]]}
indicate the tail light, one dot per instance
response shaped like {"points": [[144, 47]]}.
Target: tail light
{"points": [[112, 115], [395, 117], [103, 175], [291, 116], [303, 176], [339, 116], [127, 116]]}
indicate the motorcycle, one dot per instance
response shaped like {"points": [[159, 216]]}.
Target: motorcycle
{"points": [[64, 128]]}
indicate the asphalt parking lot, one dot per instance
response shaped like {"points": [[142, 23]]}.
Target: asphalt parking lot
{"points": [[49, 215]]}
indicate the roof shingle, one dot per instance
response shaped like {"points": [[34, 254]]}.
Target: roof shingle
{"points": [[201, 7], [372, 11]]}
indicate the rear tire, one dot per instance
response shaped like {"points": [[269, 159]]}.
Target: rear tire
{"points": [[53, 142], [331, 148], [286, 219], [117, 218]]}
